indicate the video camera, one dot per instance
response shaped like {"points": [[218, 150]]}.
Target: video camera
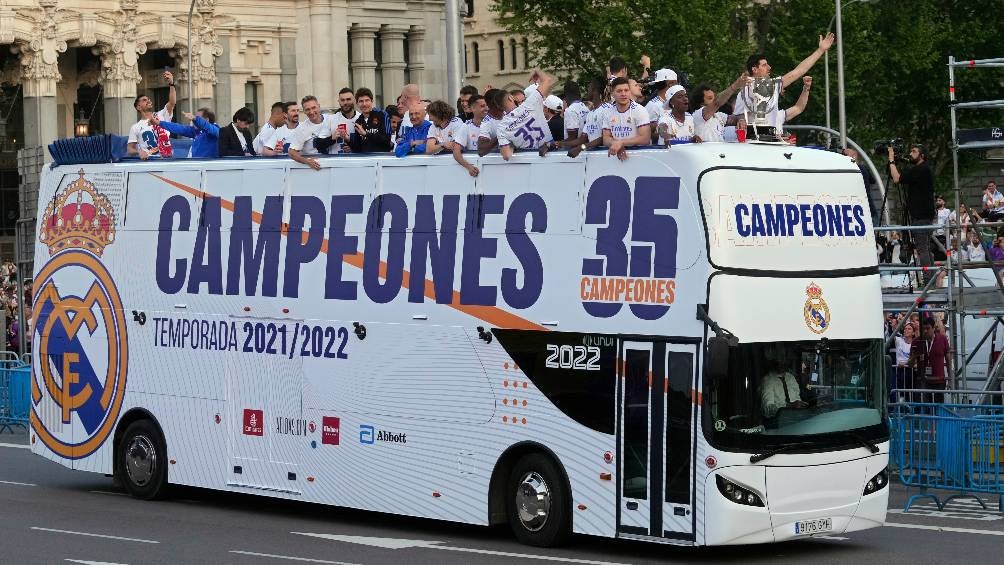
{"points": [[882, 146]]}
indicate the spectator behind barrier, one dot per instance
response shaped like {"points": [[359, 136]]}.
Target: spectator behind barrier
{"points": [[993, 202]]}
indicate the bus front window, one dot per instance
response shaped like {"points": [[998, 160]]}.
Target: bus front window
{"points": [[774, 393]]}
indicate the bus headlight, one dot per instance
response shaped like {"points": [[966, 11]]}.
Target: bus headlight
{"points": [[878, 482], [736, 493]]}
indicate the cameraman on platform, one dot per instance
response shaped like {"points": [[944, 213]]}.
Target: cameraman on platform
{"points": [[919, 198]]}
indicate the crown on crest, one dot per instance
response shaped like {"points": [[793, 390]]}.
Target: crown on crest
{"points": [[813, 290], [80, 217]]}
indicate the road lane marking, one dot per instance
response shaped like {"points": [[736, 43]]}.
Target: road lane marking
{"points": [[290, 558], [396, 543], [93, 562], [946, 529], [15, 445], [92, 535], [18, 484]]}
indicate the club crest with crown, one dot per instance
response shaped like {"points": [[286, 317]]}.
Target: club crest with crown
{"points": [[79, 218], [816, 312]]}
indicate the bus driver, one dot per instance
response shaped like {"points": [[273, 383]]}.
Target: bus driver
{"points": [[779, 389]]}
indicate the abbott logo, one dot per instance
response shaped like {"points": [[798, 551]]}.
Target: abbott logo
{"points": [[366, 434]]}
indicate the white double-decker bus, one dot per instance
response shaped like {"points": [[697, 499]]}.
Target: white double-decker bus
{"points": [[684, 347]]}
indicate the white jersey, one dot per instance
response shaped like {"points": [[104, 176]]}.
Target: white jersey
{"points": [[575, 116], [456, 131], [710, 130], [306, 133], [489, 128], [747, 98], [656, 108], [683, 131], [338, 120], [141, 133], [472, 133], [596, 120], [525, 127], [264, 134], [623, 125], [281, 137]]}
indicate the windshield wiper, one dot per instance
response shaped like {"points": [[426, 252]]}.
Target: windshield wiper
{"points": [[863, 442], [758, 457]]}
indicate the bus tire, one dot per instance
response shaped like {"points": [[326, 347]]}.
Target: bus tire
{"points": [[142, 461], [538, 503]]}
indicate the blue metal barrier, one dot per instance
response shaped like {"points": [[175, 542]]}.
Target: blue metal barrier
{"points": [[950, 447], [15, 394]]}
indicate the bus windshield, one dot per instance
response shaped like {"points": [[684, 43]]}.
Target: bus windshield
{"points": [[783, 392]]}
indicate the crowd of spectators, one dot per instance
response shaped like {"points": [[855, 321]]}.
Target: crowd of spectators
{"points": [[616, 114], [9, 288]]}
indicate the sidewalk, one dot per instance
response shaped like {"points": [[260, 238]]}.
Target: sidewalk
{"points": [[19, 436], [959, 513]]}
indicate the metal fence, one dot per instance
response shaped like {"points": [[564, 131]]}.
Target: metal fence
{"points": [[954, 448], [15, 391]]}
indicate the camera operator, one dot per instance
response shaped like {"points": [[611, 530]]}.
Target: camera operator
{"points": [[919, 198]]}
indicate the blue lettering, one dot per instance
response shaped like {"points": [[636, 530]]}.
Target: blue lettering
{"points": [[859, 220], [340, 245], [175, 205], [302, 246], [395, 206], [806, 219], [791, 215], [833, 220], [819, 220], [845, 215], [524, 205], [244, 249], [441, 251], [741, 210], [477, 247], [207, 258], [757, 228], [774, 219]]}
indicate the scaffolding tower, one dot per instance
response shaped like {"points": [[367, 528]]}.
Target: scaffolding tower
{"points": [[961, 299]]}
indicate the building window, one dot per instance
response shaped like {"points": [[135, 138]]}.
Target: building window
{"points": [[512, 49], [526, 53], [251, 99], [470, 8], [477, 58], [467, 67], [501, 50]]}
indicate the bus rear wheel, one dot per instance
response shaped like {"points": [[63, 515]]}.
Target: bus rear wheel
{"points": [[538, 503], [142, 461]]}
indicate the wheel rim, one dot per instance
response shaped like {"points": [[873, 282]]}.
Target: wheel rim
{"points": [[533, 501], [140, 460]]}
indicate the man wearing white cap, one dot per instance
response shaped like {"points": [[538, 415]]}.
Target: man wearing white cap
{"points": [[555, 121], [664, 78]]}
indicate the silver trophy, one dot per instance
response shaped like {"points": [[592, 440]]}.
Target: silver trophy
{"points": [[760, 100]]}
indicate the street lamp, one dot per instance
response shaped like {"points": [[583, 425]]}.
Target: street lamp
{"points": [[841, 110]]}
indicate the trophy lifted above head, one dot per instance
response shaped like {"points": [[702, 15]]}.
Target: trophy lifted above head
{"points": [[761, 96]]}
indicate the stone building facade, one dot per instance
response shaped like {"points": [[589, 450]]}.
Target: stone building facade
{"points": [[493, 55], [71, 63]]}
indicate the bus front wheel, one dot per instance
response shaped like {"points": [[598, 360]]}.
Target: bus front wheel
{"points": [[142, 461], [538, 504]]}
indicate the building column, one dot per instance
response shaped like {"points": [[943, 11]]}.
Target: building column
{"points": [[393, 64], [287, 67], [120, 71], [338, 35], [39, 61], [224, 105], [363, 61], [321, 50], [416, 56]]}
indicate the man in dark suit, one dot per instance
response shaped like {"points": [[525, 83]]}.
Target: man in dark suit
{"points": [[235, 139]]}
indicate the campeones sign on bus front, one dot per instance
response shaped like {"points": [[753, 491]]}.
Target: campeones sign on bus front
{"points": [[80, 333]]}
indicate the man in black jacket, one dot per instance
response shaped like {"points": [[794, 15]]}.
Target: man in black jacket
{"points": [[235, 139], [371, 135]]}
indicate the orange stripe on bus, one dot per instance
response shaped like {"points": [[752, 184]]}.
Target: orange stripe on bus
{"points": [[489, 314]]}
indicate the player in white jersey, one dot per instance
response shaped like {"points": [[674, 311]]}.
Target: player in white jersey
{"points": [[333, 137], [575, 110], [627, 123], [447, 134], [709, 123], [488, 136], [677, 124], [472, 130], [146, 139], [301, 147], [277, 144], [524, 126]]}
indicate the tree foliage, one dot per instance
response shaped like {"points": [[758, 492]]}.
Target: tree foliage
{"points": [[895, 53]]}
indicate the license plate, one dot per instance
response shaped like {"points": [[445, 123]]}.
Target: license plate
{"points": [[810, 527]]}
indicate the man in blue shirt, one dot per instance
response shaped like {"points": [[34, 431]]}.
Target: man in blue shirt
{"points": [[204, 132], [414, 133]]}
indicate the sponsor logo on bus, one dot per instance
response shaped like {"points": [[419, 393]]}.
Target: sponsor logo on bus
{"points": [[330, 430], [290, 426], [368, 435], [79, 383], [254, 422]]}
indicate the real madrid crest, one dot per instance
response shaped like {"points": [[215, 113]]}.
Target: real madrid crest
{"points": [[816, 311]]}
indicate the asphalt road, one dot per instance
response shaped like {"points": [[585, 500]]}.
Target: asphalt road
{"points": [[49, 514]]}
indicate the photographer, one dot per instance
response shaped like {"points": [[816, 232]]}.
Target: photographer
{"points": [[919, 197]]}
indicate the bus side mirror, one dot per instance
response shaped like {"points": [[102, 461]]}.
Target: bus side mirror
{"points": [[718, 357]]}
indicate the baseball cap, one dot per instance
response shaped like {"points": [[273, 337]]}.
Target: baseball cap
{"points": [[663, 75], [552, 103], [673, 90]]}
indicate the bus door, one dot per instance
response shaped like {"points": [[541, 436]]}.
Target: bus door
{"points": [[655, 441]]}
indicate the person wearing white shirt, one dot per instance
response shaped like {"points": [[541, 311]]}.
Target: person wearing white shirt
{"points": [[779, 389], [677, 123], [146, 139], [301, 147], [758, 68], [275, 121], [575, 110], [284, 134], [333, 136], [447, 133], [627, 123], [993, 202], [524, 126], [788, 114], [709, 123], [664, 78], [472, 129]]}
